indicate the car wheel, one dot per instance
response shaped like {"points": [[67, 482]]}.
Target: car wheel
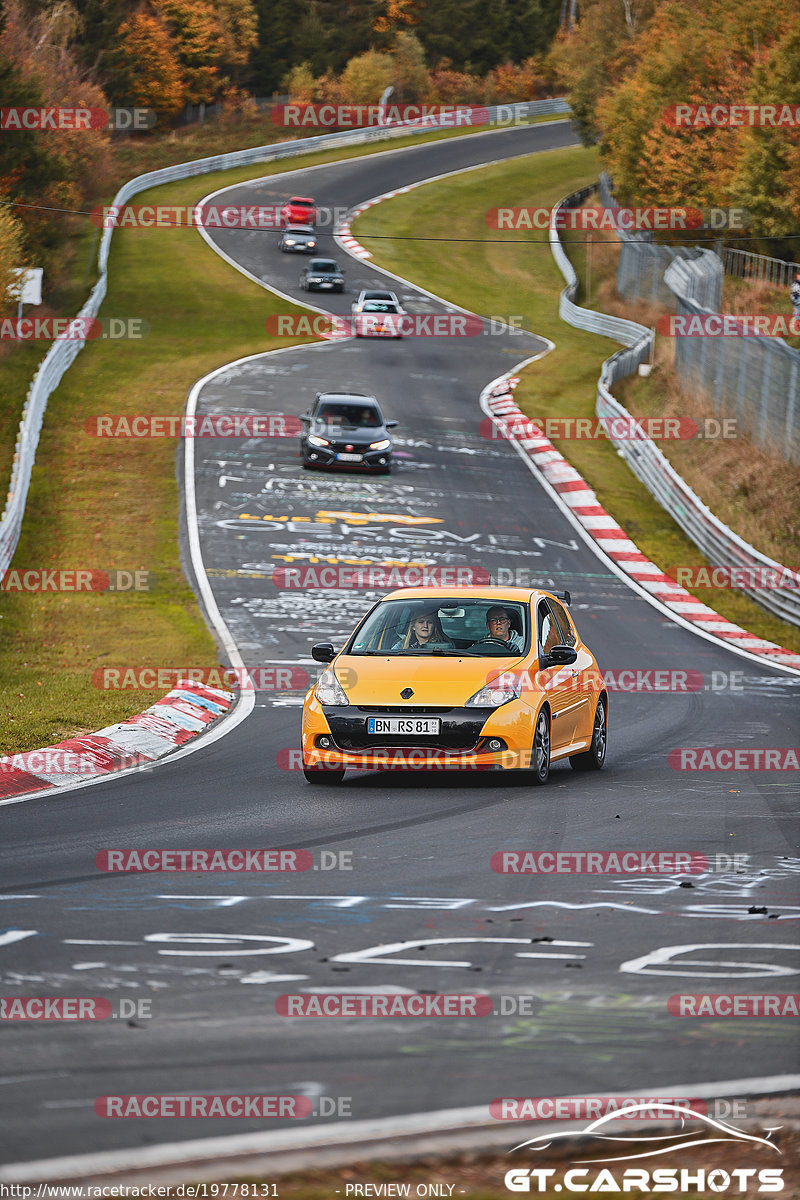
{"points": [[593, 758], [540, 751], [323, 775]]}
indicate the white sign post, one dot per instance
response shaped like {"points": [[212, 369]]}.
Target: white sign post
{"points": [[27, 289]]}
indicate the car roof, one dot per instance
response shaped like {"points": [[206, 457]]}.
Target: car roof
{"points": [[349, 397], [300, 200], [314, 261], [300, 229], [518, 594], [374, 294]]}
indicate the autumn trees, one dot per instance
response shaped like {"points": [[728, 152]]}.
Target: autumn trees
{"points": [[629, 61]]}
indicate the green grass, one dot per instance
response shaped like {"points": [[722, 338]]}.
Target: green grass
{"points": [[492, 274]]}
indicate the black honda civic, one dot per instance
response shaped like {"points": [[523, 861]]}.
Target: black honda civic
{"points": [[346, 430]]}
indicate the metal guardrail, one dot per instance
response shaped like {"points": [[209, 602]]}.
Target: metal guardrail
{"points": [[721, 546], [64, 351], [745, 264], [756, 379]]}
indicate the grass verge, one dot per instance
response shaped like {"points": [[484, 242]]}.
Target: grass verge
{"points": [[493, 273]]}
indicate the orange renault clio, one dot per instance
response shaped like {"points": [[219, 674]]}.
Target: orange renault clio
{"points": [[465, 678]]}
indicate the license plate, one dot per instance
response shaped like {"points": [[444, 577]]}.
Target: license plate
{"points": [[328, 284], [349, 457], [412, 725]]}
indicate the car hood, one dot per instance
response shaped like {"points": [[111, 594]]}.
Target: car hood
{"points": [[437, 680]]}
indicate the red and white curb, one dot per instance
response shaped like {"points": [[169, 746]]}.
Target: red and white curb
{"points": [[180, 716], [343, 234], [584, 506]]}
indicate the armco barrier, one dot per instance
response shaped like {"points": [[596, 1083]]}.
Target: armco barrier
{"points": [[720, 544], [64, 351]]}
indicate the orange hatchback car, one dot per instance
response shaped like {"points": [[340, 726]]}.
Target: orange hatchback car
{"points": [[470, 678]]}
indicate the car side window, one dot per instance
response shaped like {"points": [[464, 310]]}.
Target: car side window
{"points": [[567, 633], [549, 633]]}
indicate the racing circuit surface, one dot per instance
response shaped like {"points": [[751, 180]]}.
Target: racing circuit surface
{"points": [[418, 907]]}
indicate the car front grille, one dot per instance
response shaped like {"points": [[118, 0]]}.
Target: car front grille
{"points": [[460, 729]]}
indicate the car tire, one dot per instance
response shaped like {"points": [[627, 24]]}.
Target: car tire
{"points": [[324, 775], [540, 750], [593, 758]]}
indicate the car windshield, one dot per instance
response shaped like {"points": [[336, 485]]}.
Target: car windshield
{"points": [[306, 229], [323, 266], [368, 297], [454, 627], [351, 415]]}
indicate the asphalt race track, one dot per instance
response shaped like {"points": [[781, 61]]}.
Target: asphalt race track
{"points": [[416, 907]]}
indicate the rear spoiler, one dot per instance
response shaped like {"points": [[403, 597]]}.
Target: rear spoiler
{"points": [[565, 596]]}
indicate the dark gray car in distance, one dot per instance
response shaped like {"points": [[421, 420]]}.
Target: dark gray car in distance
{"points": [[322, 275], [299, 239], [346, 430]]}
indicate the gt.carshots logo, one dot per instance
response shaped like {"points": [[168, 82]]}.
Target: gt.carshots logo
{"points": [[706, 1130]]}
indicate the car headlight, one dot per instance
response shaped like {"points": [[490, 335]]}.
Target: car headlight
{"points": [[383, 444], [328, 690], [317, 441], [311, 243], [499, 691], [288, 241]]}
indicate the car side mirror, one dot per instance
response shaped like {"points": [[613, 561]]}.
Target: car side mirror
{"points": [[305, 417], [391, 424], [323, 652], [559, 656]]}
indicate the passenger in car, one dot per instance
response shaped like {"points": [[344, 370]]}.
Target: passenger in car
{"points": [[424, 632]]}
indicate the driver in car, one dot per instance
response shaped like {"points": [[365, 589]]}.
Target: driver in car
{"points": [[499, 629]]}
